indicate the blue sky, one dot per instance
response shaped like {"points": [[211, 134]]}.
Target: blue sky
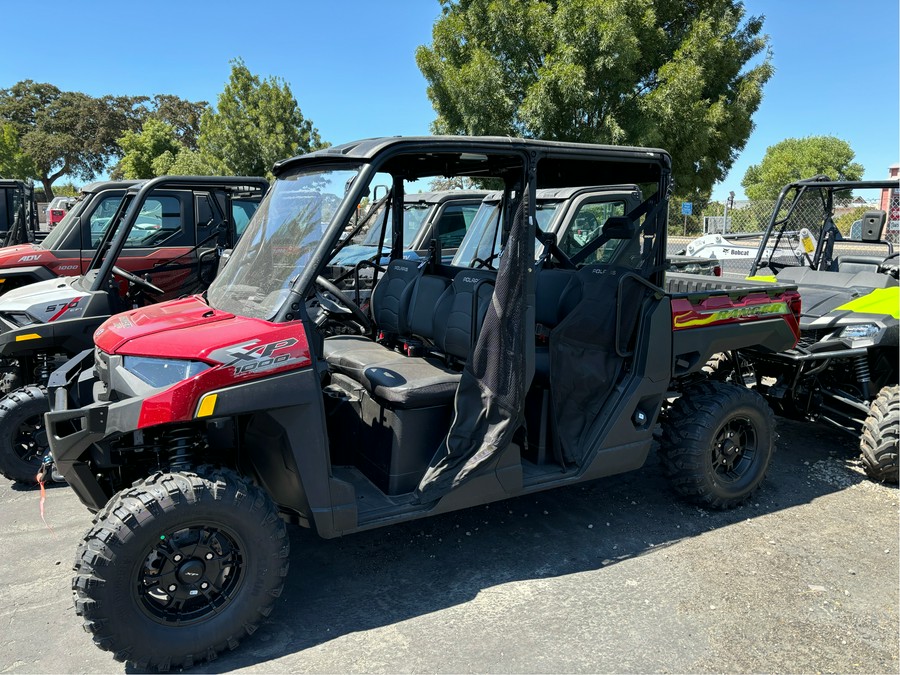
{"points": [[351, 65]]}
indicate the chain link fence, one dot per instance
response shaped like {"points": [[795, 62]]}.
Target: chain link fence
{"points": [[734, 234]]}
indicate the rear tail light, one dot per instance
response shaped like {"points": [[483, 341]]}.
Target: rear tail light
{"points": [[717, 270]]}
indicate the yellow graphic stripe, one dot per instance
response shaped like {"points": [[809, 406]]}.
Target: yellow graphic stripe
{"points": [[879, 301], [679, 321], [28, 336]]}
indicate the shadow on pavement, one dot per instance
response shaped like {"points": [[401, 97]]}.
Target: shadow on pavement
{"points": [[378, 578]]}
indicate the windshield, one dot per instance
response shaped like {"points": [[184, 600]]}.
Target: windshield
{"points": [[482, 240], [285, 231], [62, 229]]}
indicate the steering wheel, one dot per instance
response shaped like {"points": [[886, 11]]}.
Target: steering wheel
{"points": [[137, 281], [340, 306]]}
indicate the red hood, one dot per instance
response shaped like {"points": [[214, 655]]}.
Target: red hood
{"points": [[162, 331], [10, 255], [157, 330]]}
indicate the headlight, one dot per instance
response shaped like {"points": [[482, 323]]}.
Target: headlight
{"points": [[859, 330], [20, 319], [162, 372]]}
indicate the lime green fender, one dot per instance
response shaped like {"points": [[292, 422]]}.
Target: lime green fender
{"points": [[879, 301]]}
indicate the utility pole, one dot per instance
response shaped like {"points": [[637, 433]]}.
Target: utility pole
{"points": [[729, 203]]}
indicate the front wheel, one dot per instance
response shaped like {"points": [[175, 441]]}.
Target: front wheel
{"points": [[881, 436], [718, 440], [23, 440], [179, 567]]}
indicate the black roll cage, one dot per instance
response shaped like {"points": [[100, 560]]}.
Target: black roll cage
{"points": [[817, 183], [25, 219], [486, 156], [113, 240]]}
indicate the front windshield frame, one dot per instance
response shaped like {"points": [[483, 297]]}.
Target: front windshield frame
{"points": [[258, 286]]}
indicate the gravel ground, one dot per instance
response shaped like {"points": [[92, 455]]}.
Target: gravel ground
{"points": [[614, 576]]}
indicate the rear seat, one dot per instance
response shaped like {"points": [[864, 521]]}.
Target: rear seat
{"points": [[859, 263], [438, 321], [556, 293]]}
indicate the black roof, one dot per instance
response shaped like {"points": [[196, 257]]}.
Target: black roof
{"points": [[559, 164], [101, 185], [827, 183]]}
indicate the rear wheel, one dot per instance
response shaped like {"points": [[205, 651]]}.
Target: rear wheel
{"points": [[23, 440], [881, 436], [718, 440], [179, 567]]}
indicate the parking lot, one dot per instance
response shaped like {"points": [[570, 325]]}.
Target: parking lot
{"points": [[614, 576]]}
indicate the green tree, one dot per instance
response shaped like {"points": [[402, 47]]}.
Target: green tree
{"points": [[67, 133], [797, 158], [185, 162], [257, 123], [668, 73], [141, 148], [13, 162], [180, 114]]}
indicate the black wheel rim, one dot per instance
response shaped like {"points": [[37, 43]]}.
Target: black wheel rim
{"points": [[29, 442], [735, 450], [190, 575]]}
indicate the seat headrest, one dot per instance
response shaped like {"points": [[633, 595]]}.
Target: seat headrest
{"points": [[619, 227], [466, 280], [873, 225]]}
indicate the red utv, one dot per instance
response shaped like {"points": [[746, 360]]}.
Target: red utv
{"points": [[184, 215]]}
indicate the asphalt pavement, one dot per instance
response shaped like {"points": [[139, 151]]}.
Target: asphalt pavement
{"points": [[614, 576]]}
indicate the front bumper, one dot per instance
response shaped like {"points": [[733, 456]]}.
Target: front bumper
{"points": [[72, 433]]}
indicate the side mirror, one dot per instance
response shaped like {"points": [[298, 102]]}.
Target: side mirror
{"points": [[619, 227]]}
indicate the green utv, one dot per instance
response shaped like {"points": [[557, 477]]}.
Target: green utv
{"points": [[843, 372]]}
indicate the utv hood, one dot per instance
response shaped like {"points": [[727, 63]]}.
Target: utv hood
{"points": [[24, 254], [49, 300], [190, 329], [159, 330], [830, 306]]}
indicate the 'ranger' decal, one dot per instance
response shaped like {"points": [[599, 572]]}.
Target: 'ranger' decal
{"points": [[703, 318]]}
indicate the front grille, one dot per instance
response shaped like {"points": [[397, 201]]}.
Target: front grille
{"points": [[810, 337]]}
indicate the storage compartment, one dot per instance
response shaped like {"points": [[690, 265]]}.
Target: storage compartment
{"points": [[391, 447], [396, 445]]}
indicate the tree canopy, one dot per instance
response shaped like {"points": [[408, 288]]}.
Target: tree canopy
{"points": [[181, 115], [794, 159], [674, 74], [65, 132], [256, 123], [13, 162], [141, 148], [46, 133]]}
